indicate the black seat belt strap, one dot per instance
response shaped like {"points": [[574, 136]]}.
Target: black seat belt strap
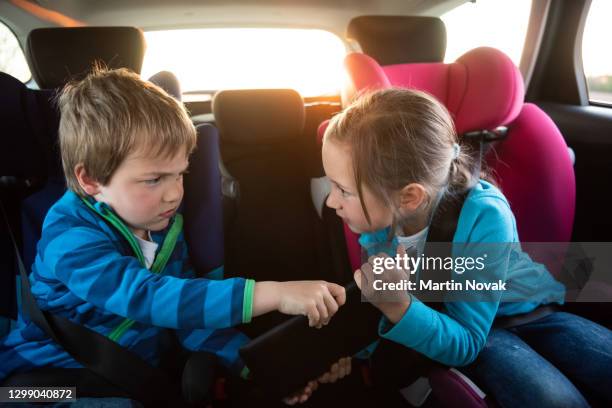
{"points": [[121, 367]]}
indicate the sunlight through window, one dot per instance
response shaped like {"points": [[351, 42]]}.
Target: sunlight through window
{"points": [[596, 60], [500, 24], [309, 61]]}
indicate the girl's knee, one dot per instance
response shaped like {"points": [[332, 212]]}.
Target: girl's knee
{"points": [[545, 392]]}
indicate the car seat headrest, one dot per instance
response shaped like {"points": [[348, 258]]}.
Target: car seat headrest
{"points": [[255, 116], [483, 89], [56, 55], [399, 39], [29, 131], [169, 83]]}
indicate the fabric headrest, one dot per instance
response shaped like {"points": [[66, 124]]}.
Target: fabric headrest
{"points": [[29, 131], [254, 116], [56, 55], [167, 81], [399, 39], [483, 89]]}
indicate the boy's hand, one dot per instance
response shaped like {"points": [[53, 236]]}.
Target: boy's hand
{"points": [[302, 395], [337, 371], [319, 300], [393, 304]]}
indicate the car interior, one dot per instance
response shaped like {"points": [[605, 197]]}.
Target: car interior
{"points": [[254, 202]]}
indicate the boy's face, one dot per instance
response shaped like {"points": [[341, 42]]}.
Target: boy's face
{"points": [[145, 192], [344, 197]]}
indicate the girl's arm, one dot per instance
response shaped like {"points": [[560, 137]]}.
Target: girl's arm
{"points": [[456, 337]]}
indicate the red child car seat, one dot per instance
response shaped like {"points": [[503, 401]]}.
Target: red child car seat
{"points": [[483, 90]]}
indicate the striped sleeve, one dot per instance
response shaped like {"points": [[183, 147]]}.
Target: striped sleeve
{"points": [[224, 343], [88, 263]]}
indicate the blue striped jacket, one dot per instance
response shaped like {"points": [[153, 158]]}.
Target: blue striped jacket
{"points": [[85, 271]]}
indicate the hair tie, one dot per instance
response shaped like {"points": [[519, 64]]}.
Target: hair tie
{"points": [[456, 151]]}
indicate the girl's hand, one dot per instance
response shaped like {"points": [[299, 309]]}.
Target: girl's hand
{"points": [[302, 395], [337, 371], [393, 304]]}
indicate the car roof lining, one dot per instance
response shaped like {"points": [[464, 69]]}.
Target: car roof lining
{"points": [[331, 15]]}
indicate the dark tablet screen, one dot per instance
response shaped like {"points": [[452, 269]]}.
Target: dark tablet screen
{"points": [[286, 357]]}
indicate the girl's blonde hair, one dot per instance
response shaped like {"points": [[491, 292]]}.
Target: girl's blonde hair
{"points": [[398, 137], [113, 113]]}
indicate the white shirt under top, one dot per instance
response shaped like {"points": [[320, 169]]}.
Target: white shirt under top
{"points": [[148, 249], [416, 241]]}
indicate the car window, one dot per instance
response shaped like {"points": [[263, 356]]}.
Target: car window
{"points": [[501, 24], [309, 61], [596, 55], [12, 60]]}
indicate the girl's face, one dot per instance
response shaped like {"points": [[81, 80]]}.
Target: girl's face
{"points": [[344, 198]]}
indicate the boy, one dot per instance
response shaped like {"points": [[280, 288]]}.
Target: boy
{"points": [[112, 255]]}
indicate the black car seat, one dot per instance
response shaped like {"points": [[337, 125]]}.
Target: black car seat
{"points": [[31, 177], [275, 232]]}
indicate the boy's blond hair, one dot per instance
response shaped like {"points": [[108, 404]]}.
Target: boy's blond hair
{"points": [[113, 113]]}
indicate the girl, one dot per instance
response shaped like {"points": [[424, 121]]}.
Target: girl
{"points": [[391, 157]]}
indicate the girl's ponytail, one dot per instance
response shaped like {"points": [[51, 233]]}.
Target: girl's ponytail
{"points": [[462, 170]]}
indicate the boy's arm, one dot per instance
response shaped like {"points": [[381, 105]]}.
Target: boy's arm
{"points": [[88, 263]]}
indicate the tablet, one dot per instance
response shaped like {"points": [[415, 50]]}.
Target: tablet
{"points": [[283, 360]]}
